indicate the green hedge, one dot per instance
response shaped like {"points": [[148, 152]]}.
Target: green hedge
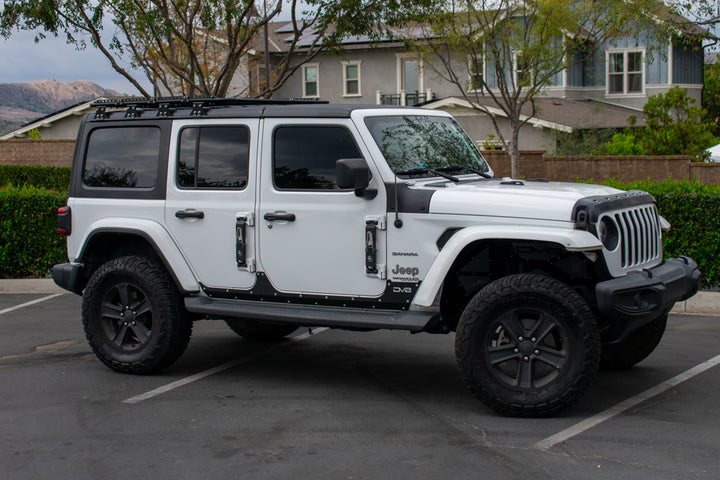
{"points": [[48, 178], [693, 210], [29, 242]]}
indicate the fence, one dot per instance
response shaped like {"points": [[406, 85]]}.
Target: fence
{"points": [[533, 164], [50, 153]]}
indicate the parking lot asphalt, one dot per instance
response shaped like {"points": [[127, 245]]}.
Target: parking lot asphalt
{"points": [[335, 405]]}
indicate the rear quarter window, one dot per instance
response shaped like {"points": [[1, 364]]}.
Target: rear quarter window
{"points": [[124, 157]]}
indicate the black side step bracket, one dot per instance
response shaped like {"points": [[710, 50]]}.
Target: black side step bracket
{"points": [[311, 315]]}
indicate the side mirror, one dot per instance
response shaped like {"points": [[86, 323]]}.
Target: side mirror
{"points": [[354, 173]]}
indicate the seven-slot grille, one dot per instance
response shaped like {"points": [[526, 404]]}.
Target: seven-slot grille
{"points": [[639, 239]]}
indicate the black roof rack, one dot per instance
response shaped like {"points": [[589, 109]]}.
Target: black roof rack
{"points": [[192, 102]]}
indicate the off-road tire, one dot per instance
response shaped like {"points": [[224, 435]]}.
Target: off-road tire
{"points": [[635, 348], [259, 331], [527, 346], [133, 315]]}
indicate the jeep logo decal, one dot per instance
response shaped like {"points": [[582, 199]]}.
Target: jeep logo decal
{"points": [[412, 271]]}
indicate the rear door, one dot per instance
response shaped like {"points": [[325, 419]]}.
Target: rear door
{"points": [[211, 199]]}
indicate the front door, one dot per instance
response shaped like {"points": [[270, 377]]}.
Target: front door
{"points": [[312, 235], [211, 199]]}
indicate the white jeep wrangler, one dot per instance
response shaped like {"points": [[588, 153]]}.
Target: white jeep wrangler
{"points": [[274, 215]]}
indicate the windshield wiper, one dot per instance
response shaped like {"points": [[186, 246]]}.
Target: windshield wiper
{"points": [[455, 168], [421, 170]]}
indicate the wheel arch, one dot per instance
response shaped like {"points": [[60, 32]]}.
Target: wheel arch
{"points": [[106, 242], [491, 253]]}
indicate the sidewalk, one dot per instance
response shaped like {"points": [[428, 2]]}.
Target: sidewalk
{"points": [[707, 303]]}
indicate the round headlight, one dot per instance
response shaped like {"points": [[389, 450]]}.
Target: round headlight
{"points": [[609, 235]]}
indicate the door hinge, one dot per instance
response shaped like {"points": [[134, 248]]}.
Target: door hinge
{"points": [[380, 220], [371, 227], [242, 221]]}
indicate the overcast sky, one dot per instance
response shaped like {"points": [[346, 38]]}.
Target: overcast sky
{"points": [[24, 60]]}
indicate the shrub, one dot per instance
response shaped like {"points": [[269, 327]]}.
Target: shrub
{"points": [[49, 178], [622, 144], [29, 242], [693, 210]]}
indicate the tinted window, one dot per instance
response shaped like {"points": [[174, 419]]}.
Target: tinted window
{"points": [[122, 157], [213, 157], [305, 156]]}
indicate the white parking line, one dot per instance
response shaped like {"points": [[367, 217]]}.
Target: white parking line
{"points": [[212, 371], [27, 304], [623, 406]]}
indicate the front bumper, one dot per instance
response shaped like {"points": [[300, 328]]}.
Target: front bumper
{"points": [[643, 295]]}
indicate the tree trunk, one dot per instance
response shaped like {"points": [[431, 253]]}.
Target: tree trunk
{"points": [[513, 150]]}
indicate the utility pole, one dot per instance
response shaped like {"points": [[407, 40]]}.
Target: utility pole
{"points": [[267, 50]]}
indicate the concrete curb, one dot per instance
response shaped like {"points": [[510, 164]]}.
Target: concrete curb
{"points": [[702, 302], [32, 285], [707, 303]]}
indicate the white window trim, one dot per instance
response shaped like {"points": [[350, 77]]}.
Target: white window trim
{"points": [[345, 64], [516, 80], [471, 73], [421, 80], [625, 51], [317, 80]]}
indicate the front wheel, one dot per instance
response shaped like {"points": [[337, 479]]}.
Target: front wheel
{"points": [[527, 345], [133, 315]]}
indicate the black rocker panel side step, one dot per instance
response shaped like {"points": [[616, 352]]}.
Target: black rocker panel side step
{"points": [[310, 315]]}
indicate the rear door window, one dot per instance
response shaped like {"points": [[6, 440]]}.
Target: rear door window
{"points": [[213, 157]]}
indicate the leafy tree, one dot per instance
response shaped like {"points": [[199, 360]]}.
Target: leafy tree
{"points": [[583, 142], [622, 144], [675, 125], [194, 47], [701, 13], [711, 95], [512, 51]]}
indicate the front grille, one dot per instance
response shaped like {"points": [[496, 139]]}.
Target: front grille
{"points": [[640, 240]]}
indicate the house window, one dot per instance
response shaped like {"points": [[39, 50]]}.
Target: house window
{"points": [[310, 80], [475, 74], [351, 79], [625, 72], [523, 72]]}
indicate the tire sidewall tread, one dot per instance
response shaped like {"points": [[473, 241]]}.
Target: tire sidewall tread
{"points": [[171, 329], [479, 316]]}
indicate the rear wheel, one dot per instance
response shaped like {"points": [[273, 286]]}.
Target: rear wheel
{"points": [[259, 331], [527, 345], [635, 348], [133, 315]]}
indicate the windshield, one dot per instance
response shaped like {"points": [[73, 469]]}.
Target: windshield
{"points": [[417, 145]]}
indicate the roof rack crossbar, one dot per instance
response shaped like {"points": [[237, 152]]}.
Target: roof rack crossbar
{"points": [[166, 103]]}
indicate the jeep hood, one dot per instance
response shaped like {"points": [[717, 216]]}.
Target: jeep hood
{"points": [[513, 198]]}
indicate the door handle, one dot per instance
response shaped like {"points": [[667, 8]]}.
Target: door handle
{"points": [[190, 214], [288, 217]]}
